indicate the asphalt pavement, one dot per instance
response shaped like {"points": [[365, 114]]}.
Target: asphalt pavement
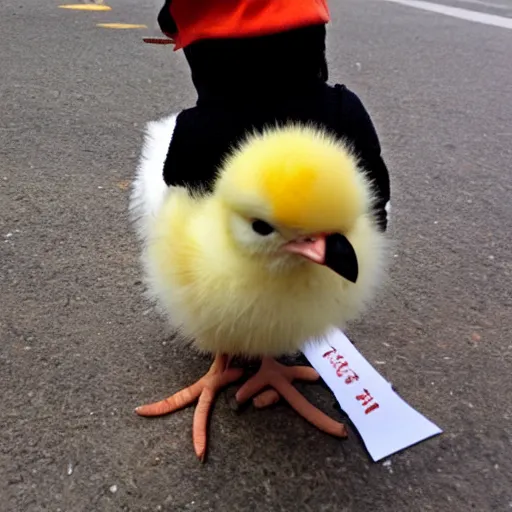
{"points": [[80, 347]]}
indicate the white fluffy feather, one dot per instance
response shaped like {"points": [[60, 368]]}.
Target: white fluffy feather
{"points": [[149, 188]]}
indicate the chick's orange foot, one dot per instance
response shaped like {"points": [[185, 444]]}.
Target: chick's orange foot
{"points": [[204, 391], [279, 377]]}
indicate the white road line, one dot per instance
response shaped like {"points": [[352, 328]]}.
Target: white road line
{"points": [[455, 12], [486, 4]]}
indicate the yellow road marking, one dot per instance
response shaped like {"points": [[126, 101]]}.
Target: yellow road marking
{"points": [[86, 7], [120, 25]]}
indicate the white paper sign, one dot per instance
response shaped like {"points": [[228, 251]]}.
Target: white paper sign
{"points": [[385, 422]]}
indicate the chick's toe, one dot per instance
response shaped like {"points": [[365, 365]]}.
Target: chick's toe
{"points": [[204, 391], [279, 377]]}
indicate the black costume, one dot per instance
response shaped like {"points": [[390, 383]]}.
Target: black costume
{"points": [[246, 84]]}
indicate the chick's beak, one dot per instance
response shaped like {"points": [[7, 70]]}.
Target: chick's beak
{"points": [[333, 251]]}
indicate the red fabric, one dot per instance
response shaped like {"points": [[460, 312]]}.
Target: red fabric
{"points": [[212, 19]]}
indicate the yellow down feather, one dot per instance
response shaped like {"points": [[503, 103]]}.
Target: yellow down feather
{"points": [[234, 292]]}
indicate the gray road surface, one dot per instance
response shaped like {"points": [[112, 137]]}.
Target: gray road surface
{"points": [[80, 348]]}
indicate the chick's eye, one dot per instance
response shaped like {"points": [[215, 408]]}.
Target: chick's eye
{"points": [[262, 228]]}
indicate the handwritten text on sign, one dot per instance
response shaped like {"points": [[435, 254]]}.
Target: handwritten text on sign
{"points": [[340, 364], [385, 422]]}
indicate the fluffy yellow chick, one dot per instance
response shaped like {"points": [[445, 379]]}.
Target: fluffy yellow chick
{"points": [[284, 248]]}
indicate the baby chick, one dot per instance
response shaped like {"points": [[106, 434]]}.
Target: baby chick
{"points": [[282, 250]]}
